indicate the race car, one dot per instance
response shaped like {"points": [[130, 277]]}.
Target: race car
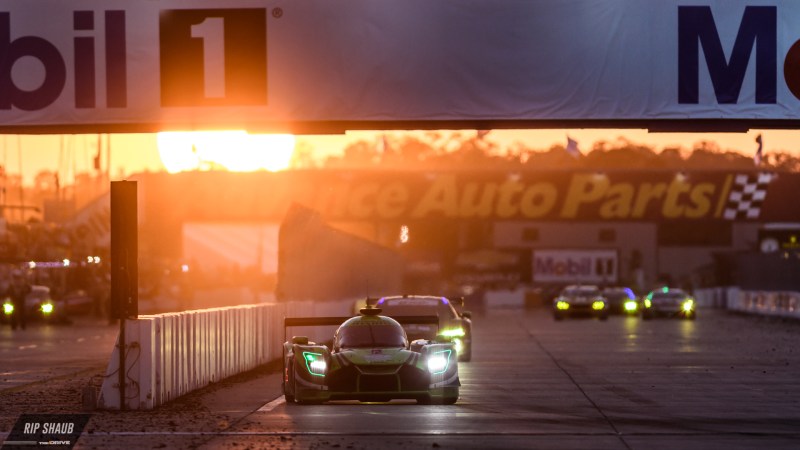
{"points": [[452, 324], [585, 300], [621, 300], [669, 302], [39, 306], [370, 360]]}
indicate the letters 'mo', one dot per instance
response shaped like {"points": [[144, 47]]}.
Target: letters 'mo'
{"points": [[757, 34], [55, 67]]}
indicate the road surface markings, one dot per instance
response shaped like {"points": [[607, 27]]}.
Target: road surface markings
{"points": [[272, 405], [408, 434]]}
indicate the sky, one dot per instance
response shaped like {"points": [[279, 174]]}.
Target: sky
{"points": [[133, 153]]}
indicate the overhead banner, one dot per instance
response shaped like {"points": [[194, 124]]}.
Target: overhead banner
{"points": [[322, 65], [646, 195]]}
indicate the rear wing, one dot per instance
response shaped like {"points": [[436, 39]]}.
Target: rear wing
{"points": [[455, 301], [336, 321]]}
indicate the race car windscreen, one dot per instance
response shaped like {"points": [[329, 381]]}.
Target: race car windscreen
{"points": [[672, 295], [379, 334], [616, 295], [581, 293]]}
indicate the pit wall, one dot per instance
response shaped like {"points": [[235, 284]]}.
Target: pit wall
{"points": [[766, 303], [172, 354]]}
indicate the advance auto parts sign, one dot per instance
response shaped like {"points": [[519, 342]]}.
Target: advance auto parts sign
{"points": [[547, 195], [323, 65]]}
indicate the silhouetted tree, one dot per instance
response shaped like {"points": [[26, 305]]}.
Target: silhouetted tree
{"points": [[443, 150]]}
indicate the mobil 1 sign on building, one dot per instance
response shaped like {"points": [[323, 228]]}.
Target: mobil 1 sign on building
{"points": [[575, 266], [321, 65]]}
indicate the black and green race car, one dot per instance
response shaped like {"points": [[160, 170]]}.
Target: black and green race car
{"points": [[370, 360]]}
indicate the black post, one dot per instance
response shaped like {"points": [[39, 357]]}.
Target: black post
{"points": [[124, 266]]}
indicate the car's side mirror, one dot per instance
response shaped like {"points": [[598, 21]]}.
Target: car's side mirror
{"points": [[466, 315], [301, 340]]}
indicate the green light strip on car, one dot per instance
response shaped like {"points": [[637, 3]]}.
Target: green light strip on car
{"points": [[311, 357]]}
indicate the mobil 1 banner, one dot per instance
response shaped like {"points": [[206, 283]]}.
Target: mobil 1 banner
{"points": [[322, 65], [575, 266]]}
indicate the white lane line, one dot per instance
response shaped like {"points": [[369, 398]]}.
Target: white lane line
{"points": [[272, 405], [25, 347], [393, 434]]}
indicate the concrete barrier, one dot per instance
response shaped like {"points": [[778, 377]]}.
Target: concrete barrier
{"points": [[169, 355], [766, 303]]}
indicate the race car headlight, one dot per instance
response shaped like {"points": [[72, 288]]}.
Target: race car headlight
{"points": [[439, 361], [8, 308], [688, 305], [47, 308], [647, 303], [630, 306], [562, 305], [598, 305], [315, 363], [453, 332]]}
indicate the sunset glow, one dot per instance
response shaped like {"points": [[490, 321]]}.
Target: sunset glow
{"points": [[235, 151]]}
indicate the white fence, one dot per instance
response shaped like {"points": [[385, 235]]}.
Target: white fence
{"points": [[172, 354], [767, 303]]}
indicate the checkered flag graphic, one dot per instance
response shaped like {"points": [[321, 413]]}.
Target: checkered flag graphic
{"points": [[747, 194]]}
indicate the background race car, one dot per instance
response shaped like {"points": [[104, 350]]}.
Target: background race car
{"points": [[577, 301], [39, 307], [371, 360], [621, 300], [667, 302], [452, 324]]}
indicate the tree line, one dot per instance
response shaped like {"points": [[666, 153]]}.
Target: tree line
{"points": [[437, 150]]}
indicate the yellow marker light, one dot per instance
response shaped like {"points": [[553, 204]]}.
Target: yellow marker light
{"points": [[47, 308], [8, 308], [630, 306], [647, 303], [453, 332], [688, 305], [458, 345], [598, 305], [562, 305]]}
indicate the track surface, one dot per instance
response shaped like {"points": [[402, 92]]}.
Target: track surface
{"points": [[722, 381]]}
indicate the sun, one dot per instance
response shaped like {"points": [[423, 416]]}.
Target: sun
{"points": [[235, 151]]}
